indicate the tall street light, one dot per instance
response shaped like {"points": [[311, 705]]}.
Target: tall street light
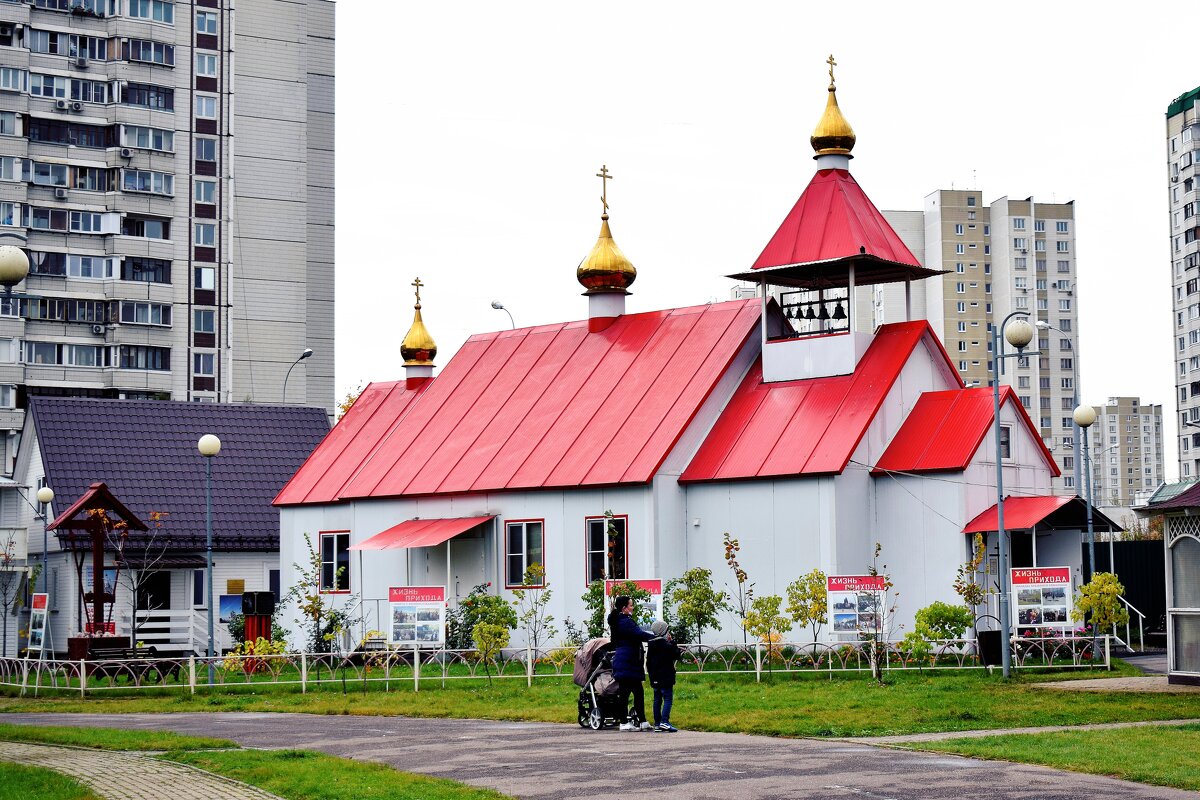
{"points": [[1085, 417], [1019, 334], [306, 354], [496, 304], [45, 496], [209, 445], [1046, 326]]}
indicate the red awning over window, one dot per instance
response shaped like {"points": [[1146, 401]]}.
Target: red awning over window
{"points": [[420, 533]]}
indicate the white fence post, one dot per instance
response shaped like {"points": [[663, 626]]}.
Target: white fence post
{"points": [[416, 668], [528, 666], [303, 673], [82, 678], [758, 662], [1108, 652], [192, 673], [24, 674]]}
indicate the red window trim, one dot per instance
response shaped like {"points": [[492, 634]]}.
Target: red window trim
{"points": [[320, 551], [586, 520], [504, 550]]}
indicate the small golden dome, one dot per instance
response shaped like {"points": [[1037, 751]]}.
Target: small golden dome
{"points": [[833, 135], [606, 269], [418, 347]]}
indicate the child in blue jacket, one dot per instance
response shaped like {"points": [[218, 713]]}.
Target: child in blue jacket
{"points": [[661, 655]]}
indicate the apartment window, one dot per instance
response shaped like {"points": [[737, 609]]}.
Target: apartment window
{"points": [[958, 229], [90, 179], [204, 320], [8, 123], [335, 561], [146, 270], [962, 347], [1064, 266], [959, 249], [1039, 226], [1018, 223], [960, 288], [46, 219], [962, 366], [607, 548], [90, 47], [144, 357], [1021, 282], [1062, 247], [49, 174], [89, 91], [1021, 302], [96, 267], [206, 149], [147, 138], [1005, 441], [72, 355], [1064, 304], [1020, 262], [1067, 383], [1044, 404], [141, 180], [160, 98], [1020, 243], [13, 80], [9, 213], [134, 313], [205, 234], [206, 65], [1025, 400], [206, 22], [959, 267], [204, 364], [150, 52], [1067, 421], [53, 86], [1043, 304], [1044, 382], [1066, 363], [154, 10], [987, 230], [962, 327], [205, 191], [522, 549], [206, 106], [205, 278], [962, 307], [146, 227]]}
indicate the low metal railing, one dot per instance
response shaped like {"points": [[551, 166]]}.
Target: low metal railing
{"points": [[399, 668]]}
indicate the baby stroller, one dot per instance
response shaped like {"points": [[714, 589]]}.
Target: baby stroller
{"points": [[598, 691]]}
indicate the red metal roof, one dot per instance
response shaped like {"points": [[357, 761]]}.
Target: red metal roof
{"points": [[378, 408], [945, 429], [550, 406], [807, 427], [1020, 513], [832, 220], [420, 533]]}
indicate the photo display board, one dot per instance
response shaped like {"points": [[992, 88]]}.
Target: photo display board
{"points": [[418, 615], [653, 586], [39, 606], [856, 603], [1041, 598]]}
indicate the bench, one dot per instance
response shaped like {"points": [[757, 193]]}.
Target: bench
{"points": [[111, 662]]}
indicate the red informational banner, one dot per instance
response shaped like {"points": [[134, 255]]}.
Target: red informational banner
{"points": [[39, 602], [1036, 576], [651, 586], [855, 583], [417, 594]]}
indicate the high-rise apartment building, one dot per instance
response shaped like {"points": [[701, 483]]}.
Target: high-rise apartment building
{"points": [[1010, 255], [168, 167], [1126, 446], [1183, 136]]}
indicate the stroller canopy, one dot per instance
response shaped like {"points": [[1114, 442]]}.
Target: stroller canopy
{"points": [[587, 658]]}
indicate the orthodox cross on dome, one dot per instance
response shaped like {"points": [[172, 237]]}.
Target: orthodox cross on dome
{"points": [[831, 64], [604, 175], [417, 283]]}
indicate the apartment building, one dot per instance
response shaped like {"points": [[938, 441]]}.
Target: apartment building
{"points": [[1009, 255], [1183, 131], [1126, 445], [168, 167]]}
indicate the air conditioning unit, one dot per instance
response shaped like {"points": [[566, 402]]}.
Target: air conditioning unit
{"points": [[81, 62], [61, 105], [98, 330], [1174, 179], [126, 152], [60, 193], [77, 106]]}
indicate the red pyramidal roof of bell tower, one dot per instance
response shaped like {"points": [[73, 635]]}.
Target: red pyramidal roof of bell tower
{"points": [[833, 219]]}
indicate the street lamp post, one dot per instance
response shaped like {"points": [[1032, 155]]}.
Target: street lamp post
{"points": [[1046, 326], [496, 304], [307, 353], [209, 445], [1019, 335], [1085, 417], [45, 496]]}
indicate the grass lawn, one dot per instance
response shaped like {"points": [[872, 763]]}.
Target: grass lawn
{"points": [[292, 774], [18, 782], [1164, 756], [782, 705]]}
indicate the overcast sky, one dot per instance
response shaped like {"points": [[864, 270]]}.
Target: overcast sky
{"points": [[468, 135]]}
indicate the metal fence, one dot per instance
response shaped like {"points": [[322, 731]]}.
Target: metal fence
{"points": [[401, 669]]}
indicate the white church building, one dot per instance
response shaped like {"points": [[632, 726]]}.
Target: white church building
{"points": [[778, 419]]}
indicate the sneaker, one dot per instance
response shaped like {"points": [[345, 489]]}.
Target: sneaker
{"points": [[628, 726], [667, 727], [646, 726]]}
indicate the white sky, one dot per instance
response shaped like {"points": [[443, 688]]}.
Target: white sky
{"points": [[468, 135]]}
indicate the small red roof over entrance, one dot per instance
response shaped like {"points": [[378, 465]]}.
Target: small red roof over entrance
{"points": [[420, 533], [1020, 513]]}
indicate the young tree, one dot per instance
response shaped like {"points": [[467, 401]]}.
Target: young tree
{"points": [[1099, 600], [694, 604], [141, 558], [531, 603], [966, 582], [317, 608], [885, 614], [12, 577], [596, 603], [808, 602], [745, 590], [939, 621], [767, 624], [490, 640]]}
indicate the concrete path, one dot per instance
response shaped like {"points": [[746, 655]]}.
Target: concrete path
{"points": [[543, 761], [914, 738], [130, 776], [1138, 683], [1154, 663]]}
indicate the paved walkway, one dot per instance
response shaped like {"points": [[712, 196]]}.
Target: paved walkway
{"points": [[1152, 663], [938, 737], [1139, 683], [543, 761], [130, 776]]}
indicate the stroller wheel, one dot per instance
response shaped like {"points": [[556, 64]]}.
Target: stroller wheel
{"points": [[585, 713], [596, 718]]}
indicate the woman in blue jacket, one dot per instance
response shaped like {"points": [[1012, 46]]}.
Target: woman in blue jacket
{"points": [[627, 640]]}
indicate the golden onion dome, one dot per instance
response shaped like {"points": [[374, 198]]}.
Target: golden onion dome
{"points": [[418, 347], [606, 269], [833, 134]]}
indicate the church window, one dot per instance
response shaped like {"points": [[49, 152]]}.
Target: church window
{"points": [[335, 561], [607, 548], [1005, 441], [522, 549]]}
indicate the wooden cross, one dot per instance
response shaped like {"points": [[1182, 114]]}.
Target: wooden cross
{"points": [[417, 283], [604, 175], [831, 64]]}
